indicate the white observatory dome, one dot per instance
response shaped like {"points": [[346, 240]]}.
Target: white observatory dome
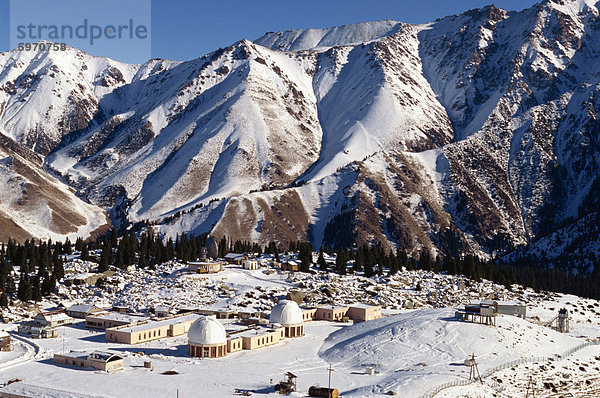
{"points": [[286, 312], [207, 330]]}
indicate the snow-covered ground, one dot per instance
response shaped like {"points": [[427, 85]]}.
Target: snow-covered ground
{"points": [[413, 350]]}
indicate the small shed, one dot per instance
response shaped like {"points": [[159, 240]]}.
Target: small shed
{"points": [[250, 263], [162, 311], [290, 266]]}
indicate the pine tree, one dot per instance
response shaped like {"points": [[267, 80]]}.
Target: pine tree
{"points": [[340, 263], [85, 255], [321, 261], [305, 256], [58, 271], [67, 248], [9, 286], [393, 262], [36, 290], [24, 290], [105, 256]]}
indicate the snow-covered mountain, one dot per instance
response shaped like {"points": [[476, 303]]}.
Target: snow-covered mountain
{"points": [[474, 133]]}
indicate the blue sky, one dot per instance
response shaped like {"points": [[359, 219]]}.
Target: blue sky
{"points": [[186, 29]]}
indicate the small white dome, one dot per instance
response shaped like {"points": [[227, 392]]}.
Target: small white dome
{"points": [[207, 330], [286, 312]]}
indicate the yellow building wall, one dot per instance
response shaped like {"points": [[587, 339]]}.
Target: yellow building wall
{"points": [[259, 341], [234, 345]]}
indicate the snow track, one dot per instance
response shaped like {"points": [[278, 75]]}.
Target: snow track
{"points": [[32, 351]]}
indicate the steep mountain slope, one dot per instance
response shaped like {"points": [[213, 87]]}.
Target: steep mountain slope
{"points": [[35, 205], [478, 132]]}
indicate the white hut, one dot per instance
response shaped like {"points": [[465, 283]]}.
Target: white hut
{"points": [[250, 263], [207, 338], [288, 314]]}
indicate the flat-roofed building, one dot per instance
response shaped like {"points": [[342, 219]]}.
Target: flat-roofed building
{"points": [[106, 320], [234, 344], [260, 336], [204, 267], [364, 312], [308, 314], [101, 360], [219, 314], [153, 329], [331, 312]]}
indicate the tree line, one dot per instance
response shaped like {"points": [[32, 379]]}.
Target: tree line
{"points": [[41, 264]]}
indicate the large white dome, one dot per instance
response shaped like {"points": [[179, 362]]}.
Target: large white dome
{"points": [[207, 330], [286, 312]]}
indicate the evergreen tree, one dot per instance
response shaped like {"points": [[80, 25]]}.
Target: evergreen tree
{"points": [[58, 271], [85, 255], [36, 290], [305, 256], [3, 300], [394, 264], [340, 262], [9, 286], [67, 248], [24, 290], [105, 256], [321, 261]]}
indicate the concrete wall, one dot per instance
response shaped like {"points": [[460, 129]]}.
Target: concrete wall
{"points": [[261, 340], [364, 314], [330, 314]]}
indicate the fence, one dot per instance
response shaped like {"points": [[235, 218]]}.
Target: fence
{"points": [[489, 372]]}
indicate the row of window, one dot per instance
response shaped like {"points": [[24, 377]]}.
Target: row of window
{"points": [[149, 335]]}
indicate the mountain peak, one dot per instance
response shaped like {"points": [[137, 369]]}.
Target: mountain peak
{"points": [[307, 39]]}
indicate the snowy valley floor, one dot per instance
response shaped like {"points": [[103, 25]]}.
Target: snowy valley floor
{"points": [[413, 350]]}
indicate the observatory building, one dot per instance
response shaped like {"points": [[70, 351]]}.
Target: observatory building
{"points": [[288, 314], [207, 338]]}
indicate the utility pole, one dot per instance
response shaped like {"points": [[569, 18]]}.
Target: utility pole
{"points": [[532, 386], [329, 384]]}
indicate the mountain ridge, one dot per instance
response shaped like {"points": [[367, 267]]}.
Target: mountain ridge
{"points": [[475, 133]]}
